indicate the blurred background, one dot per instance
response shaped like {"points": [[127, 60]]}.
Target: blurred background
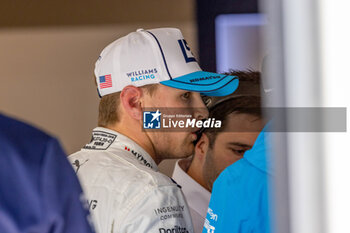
{"points": [[48, 50]]}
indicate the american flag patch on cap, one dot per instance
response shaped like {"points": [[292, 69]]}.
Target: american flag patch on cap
{"points": [[105, 81]]}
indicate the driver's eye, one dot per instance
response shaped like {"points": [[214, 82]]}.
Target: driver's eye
{"points": [[186, 95]]}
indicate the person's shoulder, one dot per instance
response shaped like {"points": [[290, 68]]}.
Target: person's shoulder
{"points": [[239, 178], [117, 169], [137, 173], [20, 139], [158, 179], [240, 171], [15, 129]]}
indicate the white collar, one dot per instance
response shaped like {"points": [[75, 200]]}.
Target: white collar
{"points": [[197, 196], [107, 139]]}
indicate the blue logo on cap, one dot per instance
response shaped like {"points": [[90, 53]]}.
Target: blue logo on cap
{"points": [[151, 120], [186, 51]]}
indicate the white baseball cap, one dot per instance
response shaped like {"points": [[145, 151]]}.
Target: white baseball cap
{"points": [[156, 56]]}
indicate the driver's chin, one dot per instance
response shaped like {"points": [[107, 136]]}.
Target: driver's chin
{"points": [[189, 150], [175, 148], [182, 151]]}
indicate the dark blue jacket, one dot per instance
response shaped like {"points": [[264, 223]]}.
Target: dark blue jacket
{"points": [[39, 191]]}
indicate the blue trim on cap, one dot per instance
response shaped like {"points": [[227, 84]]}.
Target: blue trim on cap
{"points": [[183, 88], [201, 81], [166, 65], [202, 84], [221, 86]]}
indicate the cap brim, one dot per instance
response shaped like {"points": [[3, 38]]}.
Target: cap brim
{"points": [[210, 84]]}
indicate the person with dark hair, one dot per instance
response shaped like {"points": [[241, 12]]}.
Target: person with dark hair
{"points": [[217, 148], [39, 191]]}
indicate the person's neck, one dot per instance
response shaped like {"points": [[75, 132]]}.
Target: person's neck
{"points": [[195, 171], [137, 136]]}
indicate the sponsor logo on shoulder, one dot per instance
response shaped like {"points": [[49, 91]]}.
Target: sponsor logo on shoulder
{"points": [[78, 164], [100, 140], [139, 157], [175, 229]]}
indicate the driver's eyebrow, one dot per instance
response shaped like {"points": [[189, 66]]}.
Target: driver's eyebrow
{"points": [[240, 144]]}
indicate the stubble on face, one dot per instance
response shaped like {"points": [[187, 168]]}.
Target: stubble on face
{"points": [[240, 135], [166, 147], [210, 170], [170, 145]]}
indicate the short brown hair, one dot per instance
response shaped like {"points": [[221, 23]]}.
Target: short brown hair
{"points": [[109, 104], [248, 104], [241, 105]]}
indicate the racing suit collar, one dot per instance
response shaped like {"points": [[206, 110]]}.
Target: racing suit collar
{"points": [[122, 142]]}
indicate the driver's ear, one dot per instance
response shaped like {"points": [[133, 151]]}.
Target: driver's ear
{"points": [[131, 98], [202, 147]]}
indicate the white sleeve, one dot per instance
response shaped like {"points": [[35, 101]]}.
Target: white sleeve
{"points": [[161, 210]]}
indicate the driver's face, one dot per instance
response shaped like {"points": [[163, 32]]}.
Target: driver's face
{"points": [[240, 134], [175, 144]]}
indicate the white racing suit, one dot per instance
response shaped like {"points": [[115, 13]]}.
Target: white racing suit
{"points": [[125, 191]]}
